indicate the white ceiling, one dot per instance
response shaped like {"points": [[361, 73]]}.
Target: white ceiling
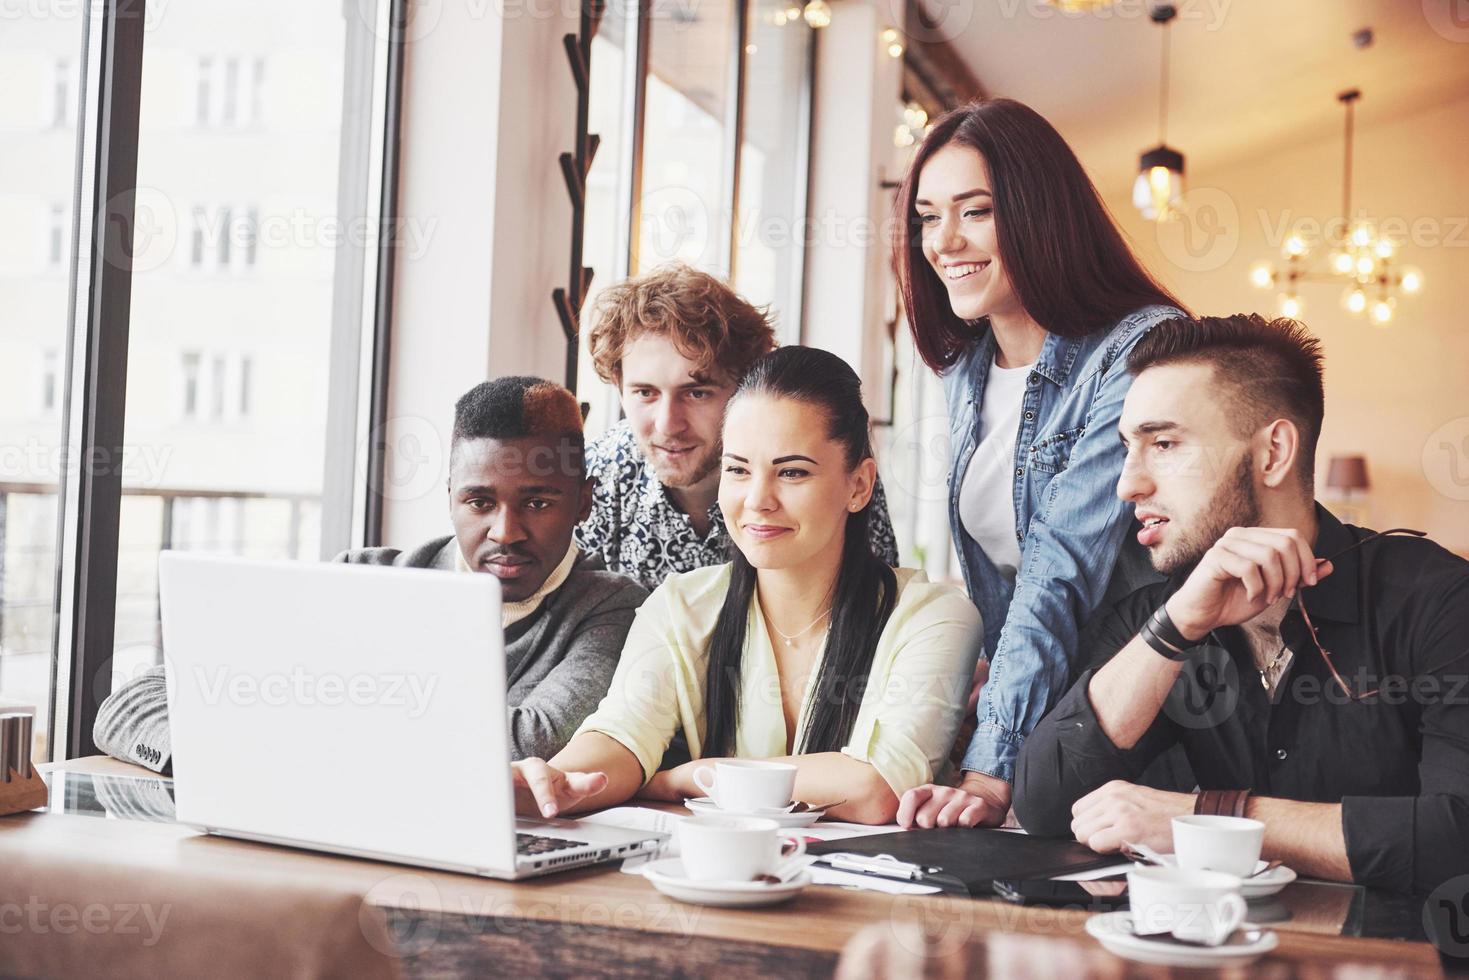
{"points": [[1248, 76]]}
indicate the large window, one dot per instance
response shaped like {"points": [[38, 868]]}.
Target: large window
{"points": [[39, 59], [251, 255], [685, 102], [683, 208], [609, 190], [771, 226], [227, 398]]}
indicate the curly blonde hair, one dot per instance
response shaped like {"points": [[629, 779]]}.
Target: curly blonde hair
{"points": [[708, 322]]}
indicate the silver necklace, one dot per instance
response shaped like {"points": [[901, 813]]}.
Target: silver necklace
{"points": [[790, 638], [1270, 673]]}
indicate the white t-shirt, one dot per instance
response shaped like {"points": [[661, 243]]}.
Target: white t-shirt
{"points": [[987, 495]]}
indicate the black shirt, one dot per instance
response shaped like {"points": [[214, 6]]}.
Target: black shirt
{"points": [[1394, 614]]}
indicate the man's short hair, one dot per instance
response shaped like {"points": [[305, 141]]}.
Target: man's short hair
{"points": [[1268, 369], [708, 322], [517, 407]]}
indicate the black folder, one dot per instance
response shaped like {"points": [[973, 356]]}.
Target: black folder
{"points": [[971, 860]]}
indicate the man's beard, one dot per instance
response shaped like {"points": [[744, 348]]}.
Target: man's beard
{"points": [[1234, 504], [685, 474]]}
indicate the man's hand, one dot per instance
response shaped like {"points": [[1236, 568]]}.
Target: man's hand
{"points": [[1247, 570], [1124, 812], [541, 791], [979, 800]]}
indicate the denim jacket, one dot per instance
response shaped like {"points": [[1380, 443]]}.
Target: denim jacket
{"points": [[1075, 551]]}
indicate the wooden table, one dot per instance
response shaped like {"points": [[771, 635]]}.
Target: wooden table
{"points": [[601, 922]]}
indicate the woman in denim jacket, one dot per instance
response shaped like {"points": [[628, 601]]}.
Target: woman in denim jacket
{"points": [[1024, 296]]}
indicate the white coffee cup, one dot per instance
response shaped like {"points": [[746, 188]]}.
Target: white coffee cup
{"points": [[1198, 906], [734, 848], [747, 785], [1210, 843]]}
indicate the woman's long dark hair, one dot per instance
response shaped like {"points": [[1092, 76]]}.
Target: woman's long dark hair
{"points": [[1071, 269], [865, 589]]}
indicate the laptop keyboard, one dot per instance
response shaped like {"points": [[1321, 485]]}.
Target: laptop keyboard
{"points": [[533, 845]]}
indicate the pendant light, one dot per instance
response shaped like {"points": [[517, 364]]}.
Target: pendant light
{"points": [[1158, 192]]}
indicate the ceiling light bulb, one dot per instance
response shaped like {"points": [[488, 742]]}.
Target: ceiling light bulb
{"points": [[793, 11], [1342, 262], [1291, 306], [1355, 301], [1295, 246], [1412, 280], [1262, 275], [1365, 265], [1362, 235], [1384, 248], [889, 35], [818, 13], [895, 50], [1381, 312]]}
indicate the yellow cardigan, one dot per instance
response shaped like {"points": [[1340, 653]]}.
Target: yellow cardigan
{"points": [[912, 705]]}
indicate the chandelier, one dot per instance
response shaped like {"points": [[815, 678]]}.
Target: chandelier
{"points": [[1357, 253]]}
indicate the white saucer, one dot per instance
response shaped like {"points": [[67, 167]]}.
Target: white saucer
{"points": [[668, 877], [1258, 887], [704, 807], [1114, 931]]}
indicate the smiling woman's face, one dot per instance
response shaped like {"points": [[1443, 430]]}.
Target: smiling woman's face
{"points": [[785, 489], [955, 206]]}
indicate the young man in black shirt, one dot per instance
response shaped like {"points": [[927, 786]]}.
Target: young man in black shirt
{"points": [[1320, 667]]}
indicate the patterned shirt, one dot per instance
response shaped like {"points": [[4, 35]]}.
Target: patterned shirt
{"points": [[639, 531]]}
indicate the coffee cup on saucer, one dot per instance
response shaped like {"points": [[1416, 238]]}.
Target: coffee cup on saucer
{"points": [[747, 785], [1214, 843], [734, 848], [1195, 906]]}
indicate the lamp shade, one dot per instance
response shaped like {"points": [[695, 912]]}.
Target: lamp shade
{"points": [[1347, 473]]}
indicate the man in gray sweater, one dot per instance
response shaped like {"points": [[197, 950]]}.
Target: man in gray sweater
{"points": [[517, 487]]}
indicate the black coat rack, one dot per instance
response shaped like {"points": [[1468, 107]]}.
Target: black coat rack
{"points": [[574, 167]]}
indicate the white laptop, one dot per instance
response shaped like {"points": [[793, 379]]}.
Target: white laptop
{"points": [[353, 709]]}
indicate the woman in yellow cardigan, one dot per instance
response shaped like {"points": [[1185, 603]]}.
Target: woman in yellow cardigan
{"points": [[804, 648]]}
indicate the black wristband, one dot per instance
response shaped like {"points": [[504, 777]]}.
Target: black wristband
{"points": [[1163, 626], [1160, 634]]}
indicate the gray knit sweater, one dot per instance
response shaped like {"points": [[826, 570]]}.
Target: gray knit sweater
{"points": [[558, 662]]}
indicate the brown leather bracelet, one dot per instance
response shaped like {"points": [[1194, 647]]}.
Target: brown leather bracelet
{"points": [[1222, 802]]}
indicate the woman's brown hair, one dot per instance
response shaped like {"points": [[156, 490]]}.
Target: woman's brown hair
{"points": [[1068, 263]]}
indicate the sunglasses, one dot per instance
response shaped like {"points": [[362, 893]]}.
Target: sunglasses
{"points": [[1311, 627]]}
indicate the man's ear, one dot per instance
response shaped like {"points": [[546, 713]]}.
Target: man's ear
{"points": [[864, 481], [1282, 447], [584, 509]]}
